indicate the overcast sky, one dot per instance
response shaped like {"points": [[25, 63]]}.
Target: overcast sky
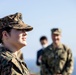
{"points": [[44, 15]]}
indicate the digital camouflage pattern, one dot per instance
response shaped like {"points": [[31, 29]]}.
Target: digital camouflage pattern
{"points": [[14, 21], [56, 31], [20, 55], [57, 60], [10, 64]]}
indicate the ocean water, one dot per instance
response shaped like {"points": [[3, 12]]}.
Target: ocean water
{"points": [[31, 64]]}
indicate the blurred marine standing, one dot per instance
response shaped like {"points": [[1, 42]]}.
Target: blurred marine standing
{"points": [[57, 58], [44, 44], [13, 34]]}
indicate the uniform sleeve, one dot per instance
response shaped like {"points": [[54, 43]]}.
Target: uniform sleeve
{"points": [[37, 63], [9, 69], [39, 56], [6, 69], [69, 64], [44, 67]]}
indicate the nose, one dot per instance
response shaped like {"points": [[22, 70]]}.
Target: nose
{"points": [[56, 37], [24, 32]]}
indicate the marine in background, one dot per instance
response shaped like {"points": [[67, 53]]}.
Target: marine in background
{"points": [[57, 58]]}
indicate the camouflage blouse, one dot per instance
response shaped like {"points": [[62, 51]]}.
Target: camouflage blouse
{"points": [[10, 64], [57, 60]]}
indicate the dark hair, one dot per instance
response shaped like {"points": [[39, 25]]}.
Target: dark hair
{"points": [[43, 38], [7, 29]]}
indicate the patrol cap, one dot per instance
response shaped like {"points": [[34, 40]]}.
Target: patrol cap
{"points": [[14, 21], [56, 31]]}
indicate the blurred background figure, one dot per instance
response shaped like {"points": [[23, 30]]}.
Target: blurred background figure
{"points": [[57, 58], [44, 44]]}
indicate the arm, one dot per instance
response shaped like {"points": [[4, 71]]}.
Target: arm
{"points": [[69, 64], [10, 68], [37, 63], [39, 56], [5, 69], [44, 67]]}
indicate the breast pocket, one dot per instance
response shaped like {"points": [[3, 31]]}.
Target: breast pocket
{"points": [[60, 59]]}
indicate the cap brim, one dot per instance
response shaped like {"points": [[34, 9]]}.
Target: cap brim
{"points": [[23, 26], [56, 33], [29, 28]]}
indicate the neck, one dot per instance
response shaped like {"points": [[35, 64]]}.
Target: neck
{"points": [[56, 44], [11, 47]]}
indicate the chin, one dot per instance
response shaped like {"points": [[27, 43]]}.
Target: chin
{"points": [[24, 44], [56, 42]]}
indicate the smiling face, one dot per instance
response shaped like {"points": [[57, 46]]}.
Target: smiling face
{"points": [[16, 38], [56, 38]]}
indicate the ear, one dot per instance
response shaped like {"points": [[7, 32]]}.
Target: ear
{"points": [[5, 34]]}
